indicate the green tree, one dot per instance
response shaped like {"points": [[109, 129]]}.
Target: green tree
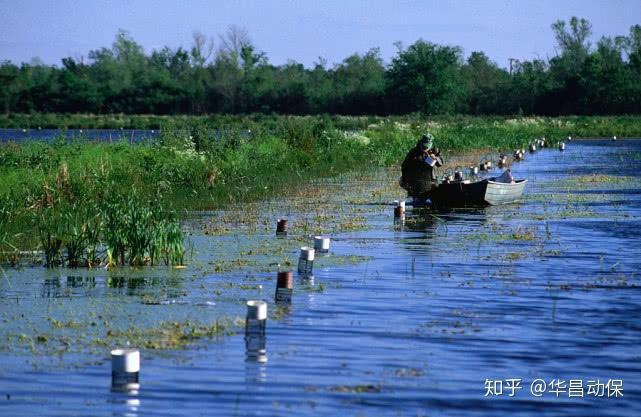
{"points": [[229, 66], [359, 84], [38, 87], [77, 91], [531, 84], [9, 75], [573, 43], [632, 46], [424, 77], [485, 86], [322, 92]]}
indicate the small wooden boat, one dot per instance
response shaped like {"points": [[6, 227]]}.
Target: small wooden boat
{"points": [[479, 193]]}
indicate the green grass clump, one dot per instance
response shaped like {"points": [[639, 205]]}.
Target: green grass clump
{"points": [[130, 232]]}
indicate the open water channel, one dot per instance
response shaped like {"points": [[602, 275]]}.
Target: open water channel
{"points": [[528, 309]]}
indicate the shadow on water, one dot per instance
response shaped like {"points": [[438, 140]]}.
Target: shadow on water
{"points": [[428, 224]]}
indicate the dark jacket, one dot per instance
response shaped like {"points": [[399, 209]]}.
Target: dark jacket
{"points": [[418, 178]]}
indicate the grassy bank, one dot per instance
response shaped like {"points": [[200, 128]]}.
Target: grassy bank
{"points": [[578, 126], [95, 203]]}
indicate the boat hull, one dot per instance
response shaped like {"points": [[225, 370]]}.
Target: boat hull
{"points": [[475, 194], [498, 193]]}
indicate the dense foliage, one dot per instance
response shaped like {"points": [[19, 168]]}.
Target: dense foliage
{"points": [[425, 77]]}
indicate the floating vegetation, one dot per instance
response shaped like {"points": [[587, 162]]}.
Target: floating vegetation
{"points": [[569, 197], [601, 178], [356, 389], [524, 233], [169, 335], [409, 373], [504, 233], [77, 337], [514, 256]]}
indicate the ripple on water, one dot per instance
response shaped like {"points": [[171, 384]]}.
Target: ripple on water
{"points": [[414, 324]]}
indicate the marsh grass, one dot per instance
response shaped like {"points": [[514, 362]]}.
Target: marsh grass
{"points": [[125, 231], [83, 203]]}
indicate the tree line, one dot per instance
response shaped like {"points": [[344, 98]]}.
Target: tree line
{"points": [[236, 78]]}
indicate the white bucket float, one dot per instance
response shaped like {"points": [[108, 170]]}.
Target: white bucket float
{"points": [[532, 147], [306, 260], [561, 146], [256, 318], [255, 326], [321, 244], [614, 138], [125, 369]]}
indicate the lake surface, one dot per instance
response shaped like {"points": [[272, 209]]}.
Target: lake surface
{"points": [[48, 135], [420, 319], [93, 135]]}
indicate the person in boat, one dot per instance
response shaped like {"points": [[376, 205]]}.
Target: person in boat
{"points": [[418, 169]]}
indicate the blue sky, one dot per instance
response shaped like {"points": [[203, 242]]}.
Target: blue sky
{"points": [[304, 30]]}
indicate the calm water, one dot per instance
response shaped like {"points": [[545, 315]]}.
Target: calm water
{"points": [[103, 135], [547, 289], [131, 135]]}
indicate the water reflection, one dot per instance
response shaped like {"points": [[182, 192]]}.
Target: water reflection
{"points": [[170, 287], [256, 348], [255, 358], [255, 372], [308, 287], [92, 286], [74, 286], [51, 288], [130, 401], [421, 220], [125, 382], [81, 282], [426, 227]]}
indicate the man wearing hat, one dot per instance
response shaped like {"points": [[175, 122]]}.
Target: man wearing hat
{"points": [[418, 168]]}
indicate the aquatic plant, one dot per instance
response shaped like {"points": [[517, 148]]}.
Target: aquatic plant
{"points": [[49, 226], [141, 233]]}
